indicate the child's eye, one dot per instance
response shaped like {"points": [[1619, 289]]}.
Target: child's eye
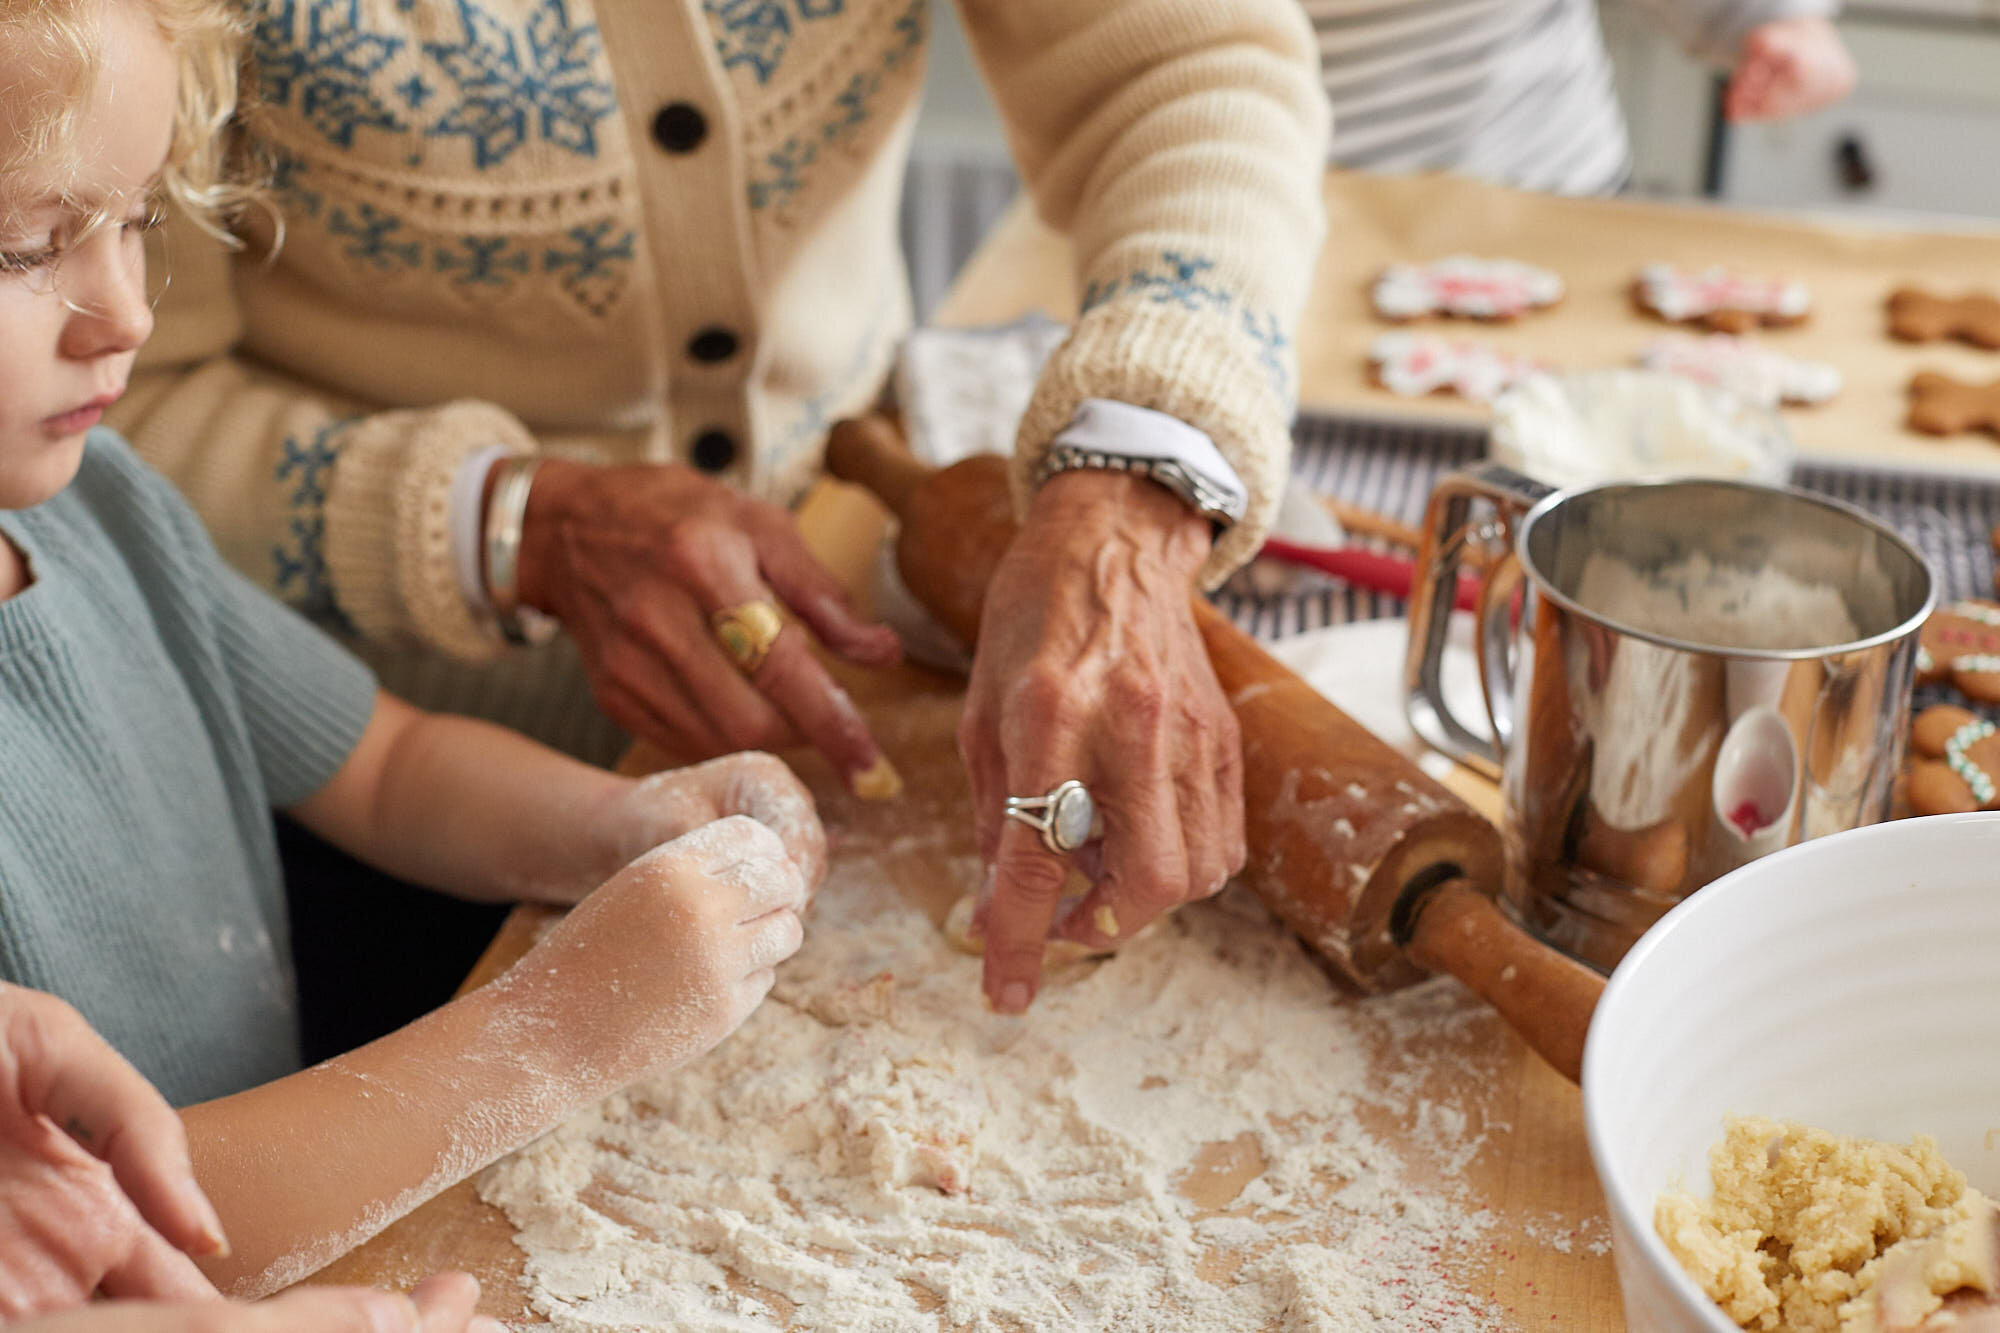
{"points": [[148, 217], [29, 261]]}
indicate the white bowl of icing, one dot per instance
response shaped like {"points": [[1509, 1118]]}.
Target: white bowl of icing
{"points": [[1619, 425]]}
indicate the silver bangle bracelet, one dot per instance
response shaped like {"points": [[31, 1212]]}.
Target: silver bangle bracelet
{"points": [[504, 515]]}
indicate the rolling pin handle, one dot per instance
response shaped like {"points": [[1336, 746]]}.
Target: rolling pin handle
{"points": [[1546, 996], [869, 451]]}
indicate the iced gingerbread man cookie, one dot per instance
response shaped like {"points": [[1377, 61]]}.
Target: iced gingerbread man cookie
{"points": [[1960, 644], [1742, 367], [1724, 301], [1465, 286], [1416, 364], [1955, 762]]}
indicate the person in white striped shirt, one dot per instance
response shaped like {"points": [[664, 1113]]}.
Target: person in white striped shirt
{"points": [[1519, 91]]}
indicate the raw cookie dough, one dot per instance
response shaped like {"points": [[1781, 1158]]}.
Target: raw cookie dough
{"points": [[958, 933], [1820, 1233]]}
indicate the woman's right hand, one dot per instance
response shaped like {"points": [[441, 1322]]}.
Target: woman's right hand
{"points": [[674, 951], [635, 560]]}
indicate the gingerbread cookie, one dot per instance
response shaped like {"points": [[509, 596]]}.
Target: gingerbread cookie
{"points": [[1941, 405], [1917, 316], [1955, 762], [1724, 301], [1465, 286], [1742, 367], [1960, 643], [1415, 364]]}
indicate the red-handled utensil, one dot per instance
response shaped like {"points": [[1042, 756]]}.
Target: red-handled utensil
{"points": [[1364, 568]]}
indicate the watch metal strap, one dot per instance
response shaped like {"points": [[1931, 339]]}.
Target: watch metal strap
{"points": [[1189, 485]]}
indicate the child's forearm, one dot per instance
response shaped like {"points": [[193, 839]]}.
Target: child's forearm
{"points": [[305, 1168], [467, 807]]}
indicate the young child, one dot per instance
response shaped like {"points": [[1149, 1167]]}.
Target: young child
{"points": [[155, 707]]}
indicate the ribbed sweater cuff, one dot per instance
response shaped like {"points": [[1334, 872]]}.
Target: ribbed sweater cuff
{"points": [[1188, 365], [388, 524]]}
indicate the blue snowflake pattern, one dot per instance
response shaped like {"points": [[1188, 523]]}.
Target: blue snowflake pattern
{"points": [[372, 244], [288, 182], [786, 165], [1177, 280], [1272, 345], [786, 175], [327, 72], [546, 73], [756, 33], [481, 261], [299, 564], [593, 268]]}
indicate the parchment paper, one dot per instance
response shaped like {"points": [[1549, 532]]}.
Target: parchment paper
{"points": [[1598, 247]]}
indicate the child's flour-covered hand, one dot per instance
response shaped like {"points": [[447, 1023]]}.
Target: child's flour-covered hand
{"points": [[666, 805], [675, 950]]}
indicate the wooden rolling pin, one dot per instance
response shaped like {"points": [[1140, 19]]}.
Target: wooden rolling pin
{"points": [[1382, 871]]}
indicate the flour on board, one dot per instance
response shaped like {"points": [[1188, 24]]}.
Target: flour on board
{"points": [[872, 1150]]}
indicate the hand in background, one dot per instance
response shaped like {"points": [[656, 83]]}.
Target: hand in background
{"points": [[97, 1192], [441, 1304], [662, 807], [634, 560], [1789, 67]]}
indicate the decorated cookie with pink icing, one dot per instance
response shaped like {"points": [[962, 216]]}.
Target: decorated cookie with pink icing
{"points": [[1742, 367], [1724, 301], [1415, 364], [1960, 643], [1464, 286]]}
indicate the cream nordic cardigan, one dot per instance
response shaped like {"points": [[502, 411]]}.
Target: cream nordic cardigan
{"points": [[663, 229]]}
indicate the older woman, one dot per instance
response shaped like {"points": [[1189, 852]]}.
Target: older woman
{"points": [[569, 291]]}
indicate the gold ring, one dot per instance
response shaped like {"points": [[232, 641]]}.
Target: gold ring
{"points": [[746, 632]]}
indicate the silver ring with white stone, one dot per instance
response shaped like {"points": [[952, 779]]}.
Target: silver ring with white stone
{"points": [[1064, 817]]}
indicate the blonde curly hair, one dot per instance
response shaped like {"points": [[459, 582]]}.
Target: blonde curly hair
{"points": [[49, 61]]}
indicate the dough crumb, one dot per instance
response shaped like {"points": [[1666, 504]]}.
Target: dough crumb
{"points": [[1821, 1233]]}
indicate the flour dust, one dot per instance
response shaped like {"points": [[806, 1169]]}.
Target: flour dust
{"points": [[1190, 1135]]}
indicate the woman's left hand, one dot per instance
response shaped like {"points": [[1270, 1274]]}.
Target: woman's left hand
{"points": [[1090, 667], [1789, 67]]}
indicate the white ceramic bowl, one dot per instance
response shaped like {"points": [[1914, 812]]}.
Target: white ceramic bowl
{"points": [[1851, 982]]}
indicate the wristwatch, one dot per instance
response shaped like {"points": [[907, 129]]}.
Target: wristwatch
{"points": [[1119, 437]]}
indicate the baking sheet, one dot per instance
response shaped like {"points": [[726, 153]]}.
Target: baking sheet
{"points": [[1598, 245], [1390, 465]]}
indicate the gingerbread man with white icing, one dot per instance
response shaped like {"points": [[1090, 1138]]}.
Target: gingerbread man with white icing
{"points": [[1415, 364], [1956, 762], [1960, 644], [1742, 367], [1724, 301], [1465, 286]]}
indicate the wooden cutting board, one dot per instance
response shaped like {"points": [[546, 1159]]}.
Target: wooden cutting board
{"points": [[1545, 1259]]}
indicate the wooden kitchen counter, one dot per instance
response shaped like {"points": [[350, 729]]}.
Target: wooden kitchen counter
{"points": [[1548, 1262]]}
